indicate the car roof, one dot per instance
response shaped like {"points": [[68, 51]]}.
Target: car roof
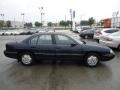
{"points": [[43, 33], [50, 33]]}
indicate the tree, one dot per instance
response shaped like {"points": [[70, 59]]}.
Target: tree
{"points": [[28, 24], [68, 23], [1, 23], [91, 21], [8, 24], [62, 23], [40, 24], [50, 24], [101, 23], [65, 23], [84, 23], [37, 24]]}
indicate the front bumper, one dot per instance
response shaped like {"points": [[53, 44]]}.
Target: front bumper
{"points": [[108, 57], [10, 54]]}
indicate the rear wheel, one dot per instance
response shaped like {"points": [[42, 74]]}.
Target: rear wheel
{"points": [[26, 58], [92, 59], [119, 47]]}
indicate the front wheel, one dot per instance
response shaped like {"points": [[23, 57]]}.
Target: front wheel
{"points": [[92, 59], [86, 36], [26, 58]]}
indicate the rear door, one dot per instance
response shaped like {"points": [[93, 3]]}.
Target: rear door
{"points": [[44, 48]]}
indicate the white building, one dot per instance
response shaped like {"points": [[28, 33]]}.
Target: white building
{"points": [[115, 22], [17, 24]]}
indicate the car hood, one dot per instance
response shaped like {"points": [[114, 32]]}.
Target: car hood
{"points": [[95, 47]]}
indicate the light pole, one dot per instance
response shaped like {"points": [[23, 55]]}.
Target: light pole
{"points": [[65, 22], [41, 13], [71, 18], [2, 15], [23, 14]]}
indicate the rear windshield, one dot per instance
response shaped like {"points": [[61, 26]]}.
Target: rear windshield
{"points": [[111, 31]]}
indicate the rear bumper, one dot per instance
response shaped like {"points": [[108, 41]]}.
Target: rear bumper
{"points": [[10, 54], [108, 57]]}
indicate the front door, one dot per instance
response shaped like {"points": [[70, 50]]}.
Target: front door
{"points": [[67, 48]]}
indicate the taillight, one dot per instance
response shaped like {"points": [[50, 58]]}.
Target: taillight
{"points": [[108, 39]]}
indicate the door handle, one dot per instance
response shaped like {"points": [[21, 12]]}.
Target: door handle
{"points": [[32, 47], [58, 48]]}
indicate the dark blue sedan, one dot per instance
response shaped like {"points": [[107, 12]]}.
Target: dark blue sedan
{"points": [[54, 46]]}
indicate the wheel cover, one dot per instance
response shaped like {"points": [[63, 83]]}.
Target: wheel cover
{"points": [[26, 59], [118, 47], [92, 60], [86, 37]]}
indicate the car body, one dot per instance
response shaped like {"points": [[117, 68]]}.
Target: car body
{"points": [[82, 28], [52, 46], [1, 32], [104, 32], [78, 29], [7, 32], [112, 40], [89, 33], [11, 32]]}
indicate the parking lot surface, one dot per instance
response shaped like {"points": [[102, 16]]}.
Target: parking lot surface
{"points": [[65, 76]]}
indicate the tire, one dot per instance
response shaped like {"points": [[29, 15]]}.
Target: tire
{"points": [[86, 36], [83, 37], [119, 48], [92, 59], [26, 59]]}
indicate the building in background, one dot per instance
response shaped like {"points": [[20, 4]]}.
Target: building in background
{"points": [[115, 22], [17, 24], [107, 23]]}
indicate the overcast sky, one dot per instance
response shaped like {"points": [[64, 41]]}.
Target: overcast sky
{"points": [[56, 10]]}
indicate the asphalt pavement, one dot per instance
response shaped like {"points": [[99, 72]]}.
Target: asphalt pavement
{"points": [[65, 76]]}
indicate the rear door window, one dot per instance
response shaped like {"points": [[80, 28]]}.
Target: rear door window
{"points": [[33, 40], [44, 40]]}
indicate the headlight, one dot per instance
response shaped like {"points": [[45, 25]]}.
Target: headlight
{"points": [[111, 51]]}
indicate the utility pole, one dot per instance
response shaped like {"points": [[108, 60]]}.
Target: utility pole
{"points": [[73, 25], [23, 22], [71, 18], [41, 12], [14, 23], [65, 22], [2, 15], [117, 19]]}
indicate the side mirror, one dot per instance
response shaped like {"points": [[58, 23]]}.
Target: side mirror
{"points": [[84, 42], [73, 44]]}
